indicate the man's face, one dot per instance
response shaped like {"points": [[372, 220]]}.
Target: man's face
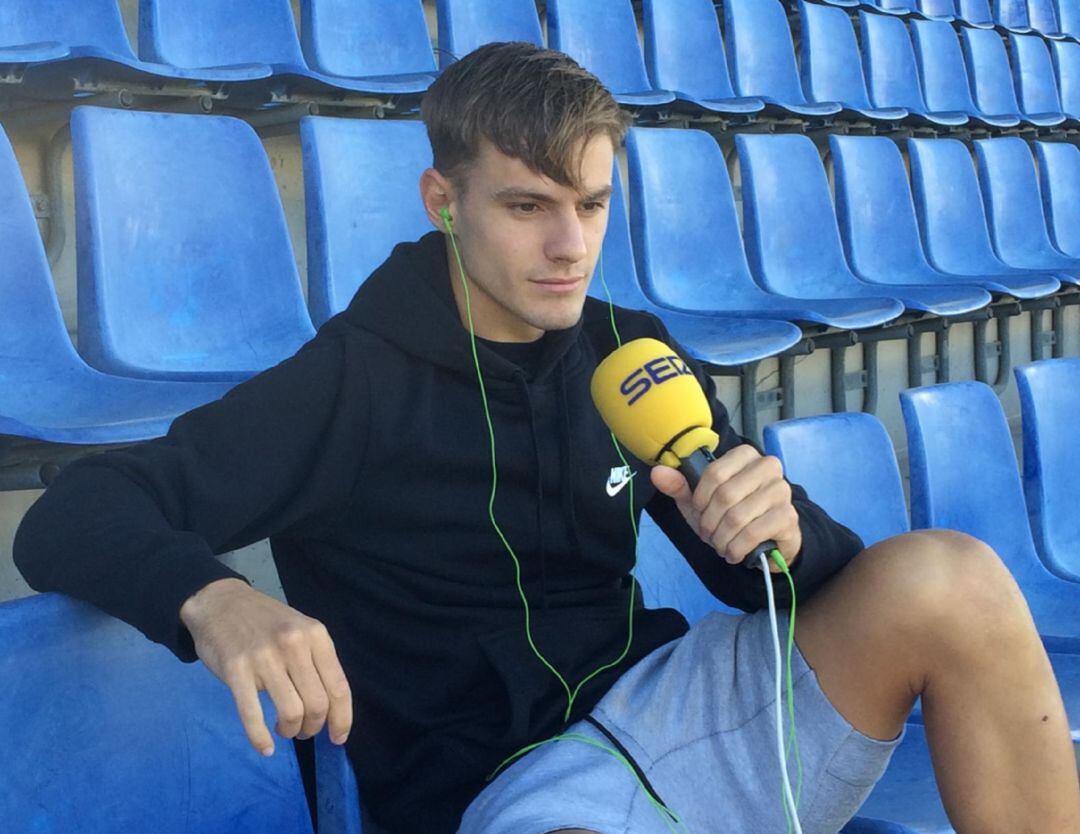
{"points": [[529, 244]]}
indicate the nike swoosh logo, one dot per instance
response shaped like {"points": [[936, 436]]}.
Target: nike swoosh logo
{"points": [[615, 489]]}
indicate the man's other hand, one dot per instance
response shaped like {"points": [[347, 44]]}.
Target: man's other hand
{"points": [[252, 642], [741, 501]]}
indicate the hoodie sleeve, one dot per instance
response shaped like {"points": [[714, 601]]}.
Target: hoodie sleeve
{"points": [[135, 531], [827, 545]]}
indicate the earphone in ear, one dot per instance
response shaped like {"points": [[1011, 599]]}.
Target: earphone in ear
{"points": [[444, 213]]}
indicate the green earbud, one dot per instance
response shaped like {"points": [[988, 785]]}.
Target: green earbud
{"points": [[444, 213]]}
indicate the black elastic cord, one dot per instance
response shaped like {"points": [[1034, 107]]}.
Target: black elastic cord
{"points": [[626, 754]]}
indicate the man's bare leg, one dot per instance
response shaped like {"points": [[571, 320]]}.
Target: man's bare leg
{"points": [[937, 614]]}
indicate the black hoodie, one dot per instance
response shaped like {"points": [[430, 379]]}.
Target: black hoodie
{"points": [[365, 459]]}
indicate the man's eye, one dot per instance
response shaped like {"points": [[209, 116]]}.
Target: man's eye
{"points": [[524, 208]]}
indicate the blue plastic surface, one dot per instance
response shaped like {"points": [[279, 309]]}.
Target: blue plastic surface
{"points": [[211, 32], [87, 37], [688, 248], [109, 732], [46, 391], [891, 71], [964, 477], [467, 24], [830, 66], [185, 268], [1059, 180], [952, 219], [1066, 58], [1010, 188], [938, 9], [1033, 75], [925, 9], [1012, 14], [944, 75], [762, 58], [368, 38], [989, 73], [337, 796], [601, 35], [362, 195], [1050, 401], [792, 240], [878, 226], [975, 13], [847, 465], [684, 53], [1042, 17], [1068, 15]]}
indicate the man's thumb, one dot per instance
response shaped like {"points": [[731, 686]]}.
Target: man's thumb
{"points": [[671, 482]]}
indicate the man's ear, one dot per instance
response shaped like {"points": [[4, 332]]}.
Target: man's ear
{"points": [[437, 193]]}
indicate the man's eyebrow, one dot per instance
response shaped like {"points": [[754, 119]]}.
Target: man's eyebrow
{"points": [[514, 193]]}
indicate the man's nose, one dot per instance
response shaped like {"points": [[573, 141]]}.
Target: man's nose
{"points": [[566, 240]]}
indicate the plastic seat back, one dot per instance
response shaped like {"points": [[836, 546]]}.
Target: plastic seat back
{"points": [[792, 241], [467, 24], [1049, 401], [963, 470], [846, 464], [889, 63], [1012, 14], [941, 67], [975, 12], [185, 267], [689, 251], [896, 6], [85, 23], [110, 732], [989, 72], [760, 51], [830, 66], [942, 9], [602, 36], [1042, 16], [1059, 180], [32, 331], [950, 208], [361, 38], [874, 207], [1033, 75], [1066, 58], [1010, 188], [362, 195], [684, 50], [215, 33], [1068, 16], [616, 267]]}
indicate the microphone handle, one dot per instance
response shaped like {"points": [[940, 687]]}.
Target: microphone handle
{"points": [[692, 468]]}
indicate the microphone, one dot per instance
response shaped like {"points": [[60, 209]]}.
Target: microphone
{"points": [[653, 404]]}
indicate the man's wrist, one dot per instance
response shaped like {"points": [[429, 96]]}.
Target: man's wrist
{"points": [[194, 606]]}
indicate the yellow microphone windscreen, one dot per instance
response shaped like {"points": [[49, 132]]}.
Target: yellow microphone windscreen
{"points": [[653, 403]]}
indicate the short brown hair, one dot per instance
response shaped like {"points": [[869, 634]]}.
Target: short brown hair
{"points": [[533, 104]]}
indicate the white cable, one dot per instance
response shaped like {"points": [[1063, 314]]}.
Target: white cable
{"points": [[788, 798]]}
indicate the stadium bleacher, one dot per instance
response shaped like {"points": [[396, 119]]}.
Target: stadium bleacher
{"points": [[189, 276]]}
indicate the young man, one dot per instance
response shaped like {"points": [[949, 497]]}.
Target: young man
{"points": [[366, 460]]}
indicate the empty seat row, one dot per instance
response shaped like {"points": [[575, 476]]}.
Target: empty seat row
{"points": [[192, 280]]}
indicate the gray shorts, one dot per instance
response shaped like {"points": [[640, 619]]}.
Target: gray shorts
{"points": [[697, 717]]}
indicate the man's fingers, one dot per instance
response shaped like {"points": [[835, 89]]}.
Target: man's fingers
{"points": [[287, 701], [769, 525], [339, 717], [309, 686], [726, 467], [246, 695]]}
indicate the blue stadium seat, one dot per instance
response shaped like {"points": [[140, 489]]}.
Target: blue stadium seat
{"points": [[926, 9], [1033, 75], [684, 53], [337, 797], [362, 195], [876, 213], [109, 732], [975, 13], [964, 477], [185, 268], [467, 24], [368, 38], [952, 219], [944, 76], [1066, 58], [211, 32], [792, 239], [1042, 17], [830, 66], [1012, 15], [1049, 401], [86, 38], [1059, 180], [847, 465], [1010, 188], [762, 59], [687, 244], [602, 36], [989, 72], [1068, 16], [889, 63], [47, 392]]}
